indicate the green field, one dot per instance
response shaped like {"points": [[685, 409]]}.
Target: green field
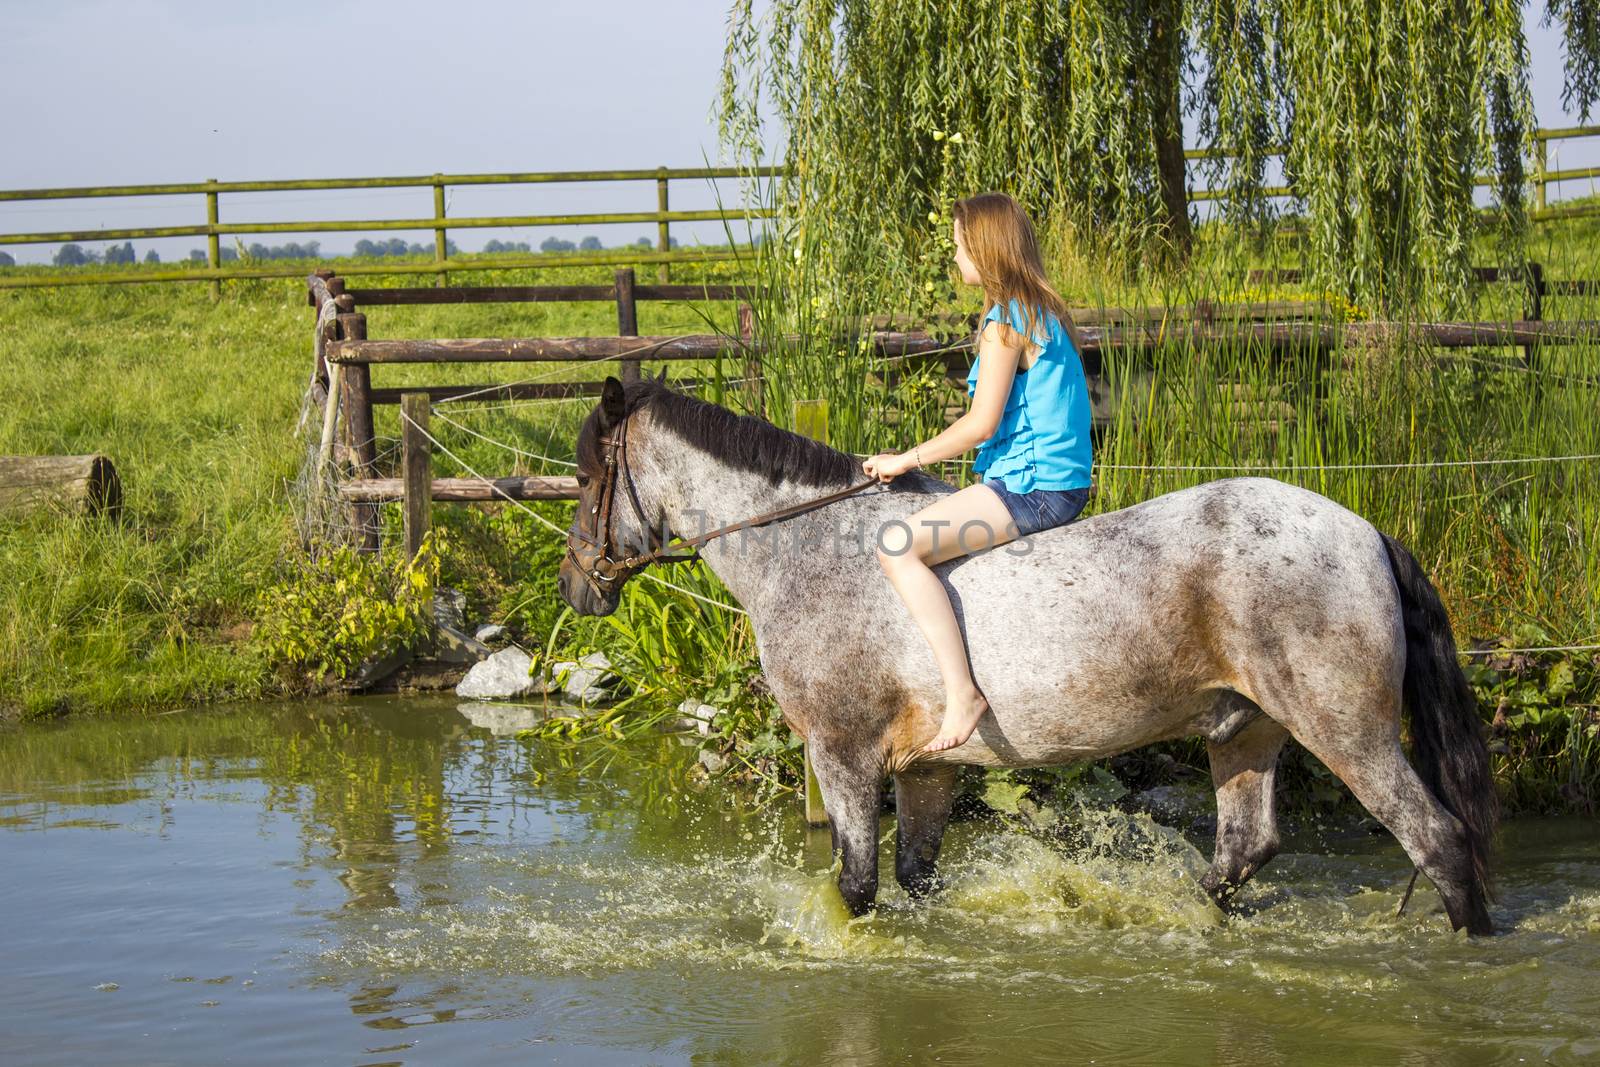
{"points": [[196, 404]]}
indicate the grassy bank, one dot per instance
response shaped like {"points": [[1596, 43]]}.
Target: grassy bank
{"points": [[196, 404]]}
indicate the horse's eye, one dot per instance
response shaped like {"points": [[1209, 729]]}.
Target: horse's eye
{"points": [[583, 481]]}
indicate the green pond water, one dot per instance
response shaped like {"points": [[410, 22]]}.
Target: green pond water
{"points": [[403, 881]]}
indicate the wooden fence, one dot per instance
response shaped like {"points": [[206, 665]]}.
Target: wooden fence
{"points": [[343, 343], [214, 229]]}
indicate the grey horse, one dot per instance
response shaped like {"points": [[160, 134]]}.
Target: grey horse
{"points": [[1245, 611]]}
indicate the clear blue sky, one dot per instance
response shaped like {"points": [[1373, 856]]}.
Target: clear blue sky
{"points": [[139, 91]]}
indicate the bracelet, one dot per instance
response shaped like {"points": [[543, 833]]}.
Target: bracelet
{"points": [[917, 451]]}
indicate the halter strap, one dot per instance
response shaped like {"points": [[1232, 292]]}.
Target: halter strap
{"points": [[607, 569]]}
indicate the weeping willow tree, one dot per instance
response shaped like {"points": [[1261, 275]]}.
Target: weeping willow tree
{"points": [[1386, 112]]}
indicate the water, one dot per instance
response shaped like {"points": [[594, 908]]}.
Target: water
{"points": [[386, 882]]}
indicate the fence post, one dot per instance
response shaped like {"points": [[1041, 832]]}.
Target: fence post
{"points": [[358, 417], [213, 240], [441, 249], [755, 401], [1541, 153], [627, 319], [416, 469], [663, 229], [1533, 310], [811, 420]]}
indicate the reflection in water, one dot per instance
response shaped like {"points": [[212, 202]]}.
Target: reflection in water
{"points": [[371, 870]]}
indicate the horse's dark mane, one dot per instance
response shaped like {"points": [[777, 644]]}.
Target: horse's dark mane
{"points": [[742, 441]]}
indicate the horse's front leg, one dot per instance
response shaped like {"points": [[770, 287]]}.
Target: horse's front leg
{"points": [[922, 800], [851, 777]]}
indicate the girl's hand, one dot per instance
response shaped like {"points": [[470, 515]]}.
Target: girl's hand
{"points": [[887, 466]]}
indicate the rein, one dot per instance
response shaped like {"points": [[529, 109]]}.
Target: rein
{"points": [[607, 568]]}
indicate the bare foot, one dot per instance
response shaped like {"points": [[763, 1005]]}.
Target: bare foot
{"points": [[960, 719]]}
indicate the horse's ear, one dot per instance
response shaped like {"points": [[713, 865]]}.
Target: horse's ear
{"points": [[662, 377], [611, 406]]}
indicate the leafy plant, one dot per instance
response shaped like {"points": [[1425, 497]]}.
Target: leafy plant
{"points": [[330, 611]]}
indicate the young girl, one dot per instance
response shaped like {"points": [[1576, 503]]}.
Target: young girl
{"points": [[1029, 414]]}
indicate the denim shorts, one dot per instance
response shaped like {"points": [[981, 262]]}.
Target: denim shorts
{"points": [[1040, 509]]}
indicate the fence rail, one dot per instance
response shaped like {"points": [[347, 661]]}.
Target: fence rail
{"points": [[213, 229]]}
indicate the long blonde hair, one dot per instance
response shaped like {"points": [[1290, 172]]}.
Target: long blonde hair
{"points": [[1000, 241]]}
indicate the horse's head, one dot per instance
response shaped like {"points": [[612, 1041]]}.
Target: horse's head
{"points": [[609, 527]]}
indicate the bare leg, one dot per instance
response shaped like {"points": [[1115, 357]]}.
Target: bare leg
{"points": [[964, 522]]}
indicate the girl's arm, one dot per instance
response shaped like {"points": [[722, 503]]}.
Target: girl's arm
{"points": [[999, 351]]}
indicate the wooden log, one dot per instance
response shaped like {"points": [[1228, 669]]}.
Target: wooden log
{"points": [[358, 422], [87, 484], [463, 490], [416, 456]]}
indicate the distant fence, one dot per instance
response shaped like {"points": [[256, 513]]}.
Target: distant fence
{"points": [[1542, 177], [214, 229]]}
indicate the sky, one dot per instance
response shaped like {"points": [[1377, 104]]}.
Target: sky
{"points": [[146, 91]]}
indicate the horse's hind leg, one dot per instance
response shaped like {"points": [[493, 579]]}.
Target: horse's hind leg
{"points": [[1244, 769], [922, 800], [1364, 752], [852, 782]]}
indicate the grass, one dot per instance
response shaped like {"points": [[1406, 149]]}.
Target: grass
{"points": [[196, 404]]}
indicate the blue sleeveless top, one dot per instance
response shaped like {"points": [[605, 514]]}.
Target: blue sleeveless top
{"points": [[1042, 440]]}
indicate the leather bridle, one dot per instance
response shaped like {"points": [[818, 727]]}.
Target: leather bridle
{"points": [[605, 571]]}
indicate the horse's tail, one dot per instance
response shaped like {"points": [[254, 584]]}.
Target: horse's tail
{"points": [[1446, 731]]}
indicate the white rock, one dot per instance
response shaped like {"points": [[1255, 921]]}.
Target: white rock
{"points": [[503, 676], [588, 680], [490, 633], [693, 715]]}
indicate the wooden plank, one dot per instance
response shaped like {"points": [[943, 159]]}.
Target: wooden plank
{"points": [[520, 178], [491, 392], [76, 483], [472, 222], [416, 466], [542, 294], [1144, 337], [174, 273], [529, 349], [462, 490]]}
